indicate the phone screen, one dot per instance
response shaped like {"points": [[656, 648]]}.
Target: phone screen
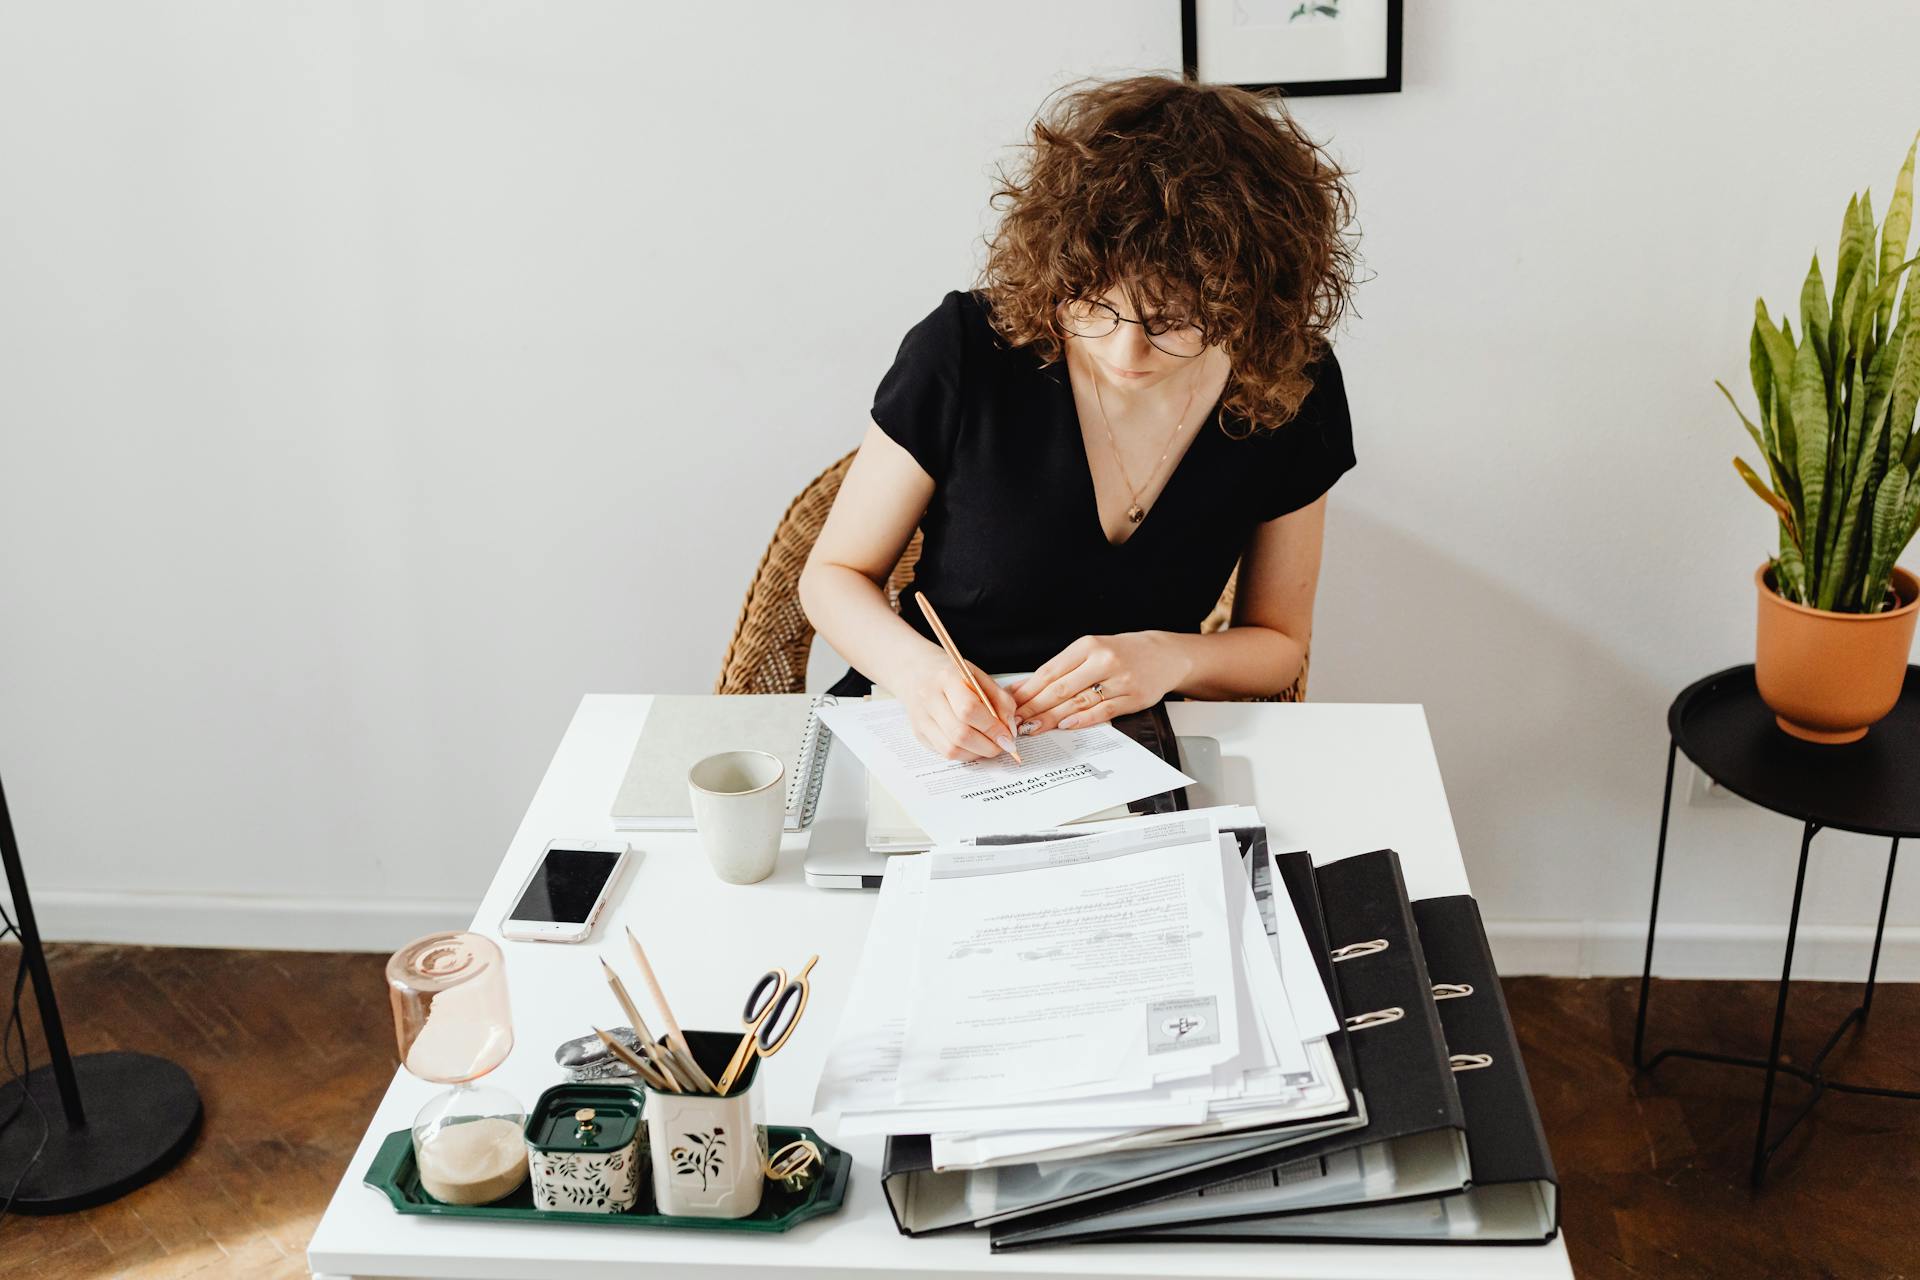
{"points": [[566, 886]]}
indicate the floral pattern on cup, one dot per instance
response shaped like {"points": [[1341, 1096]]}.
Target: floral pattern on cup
{"points": [[706, 1157], [707, 1154], [587, 1181]]}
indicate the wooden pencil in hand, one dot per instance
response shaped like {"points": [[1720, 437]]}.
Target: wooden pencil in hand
{"points": [[953, 651]]}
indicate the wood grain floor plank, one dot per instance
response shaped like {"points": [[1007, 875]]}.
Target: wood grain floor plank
{"points": [[122, 1233], [86, 1259]]}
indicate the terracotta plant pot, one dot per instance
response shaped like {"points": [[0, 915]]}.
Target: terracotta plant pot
{"points": [[1829, 676]]}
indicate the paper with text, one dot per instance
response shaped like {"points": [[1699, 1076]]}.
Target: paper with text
{"points": [[1041, 967], [1066, 774]]}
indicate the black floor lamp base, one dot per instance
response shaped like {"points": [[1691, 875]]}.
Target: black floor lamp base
{"points": [[142, 1115]]}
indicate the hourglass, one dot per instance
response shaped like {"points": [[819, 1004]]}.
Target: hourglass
{"points": [[454, 1025]]}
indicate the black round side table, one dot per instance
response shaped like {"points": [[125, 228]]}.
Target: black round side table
{"points": [[1871, 786]]}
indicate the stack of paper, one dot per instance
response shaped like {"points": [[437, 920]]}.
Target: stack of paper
{"points": [[1074, 1008], [1133, 1029], [891, 829], [1062, 776]]}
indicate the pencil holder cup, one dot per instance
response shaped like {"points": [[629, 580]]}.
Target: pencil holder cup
{"points": [[584, 1148], [709, 1153]]}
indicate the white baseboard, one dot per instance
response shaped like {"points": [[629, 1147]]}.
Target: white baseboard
{"points": [[263, 923], [1562, 948], [1823, 952]]}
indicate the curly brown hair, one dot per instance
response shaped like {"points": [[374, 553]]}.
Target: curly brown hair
{"points": [[1205, 200]]}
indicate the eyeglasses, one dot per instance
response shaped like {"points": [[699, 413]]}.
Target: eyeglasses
{"points": [[1087, 318]]}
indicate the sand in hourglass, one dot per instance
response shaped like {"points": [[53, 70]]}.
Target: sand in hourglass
{"points": [[473, 1161], [453, 1025]]}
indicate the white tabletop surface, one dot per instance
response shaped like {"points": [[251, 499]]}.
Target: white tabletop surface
{"points": [[1338, 779]]}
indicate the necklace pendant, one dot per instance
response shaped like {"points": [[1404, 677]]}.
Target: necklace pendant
{"points": [[1135, 515]]}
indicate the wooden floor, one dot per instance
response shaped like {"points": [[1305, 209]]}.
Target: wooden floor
{"points": [[1654, 1170], [291, 1051]]}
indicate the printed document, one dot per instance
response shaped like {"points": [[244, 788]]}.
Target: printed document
{"points": [[864, 1060], [1306, 993], [858, 1080], [1265, 1078], [1041, 967], [1066, 774]]}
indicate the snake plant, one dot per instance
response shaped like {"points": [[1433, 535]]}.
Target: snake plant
{"points": [[1836, 415]]}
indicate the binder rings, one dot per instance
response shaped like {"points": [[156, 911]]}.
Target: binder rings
{"points": [[1512, 1196], [1400, 1060], [1515, 1192], [683, 729]]}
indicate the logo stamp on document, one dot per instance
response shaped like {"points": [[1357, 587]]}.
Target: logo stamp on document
{"points": [[1182, 1023]]}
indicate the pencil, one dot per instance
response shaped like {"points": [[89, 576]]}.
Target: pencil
{"points": [[674, 1038], [644, 1071], [639, 1023], [953, 651], [661, 1055]]}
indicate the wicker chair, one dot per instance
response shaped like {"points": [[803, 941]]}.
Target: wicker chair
{"points": [[772, 636]]}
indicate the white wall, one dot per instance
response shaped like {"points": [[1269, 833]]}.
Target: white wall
{"points": [[373, 379]]}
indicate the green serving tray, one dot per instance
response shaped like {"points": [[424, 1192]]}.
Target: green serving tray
{"points": [[394, 1172]]}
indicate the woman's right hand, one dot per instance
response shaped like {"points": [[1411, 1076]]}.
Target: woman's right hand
{"points": [[946, 715]]}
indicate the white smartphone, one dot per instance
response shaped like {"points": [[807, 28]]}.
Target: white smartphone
{"points": [[568, 886]]}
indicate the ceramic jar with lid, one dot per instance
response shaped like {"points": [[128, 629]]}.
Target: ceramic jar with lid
{"points": [[585, 1151]]}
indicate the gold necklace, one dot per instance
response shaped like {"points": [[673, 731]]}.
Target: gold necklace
{"points": [[1135, 512]]}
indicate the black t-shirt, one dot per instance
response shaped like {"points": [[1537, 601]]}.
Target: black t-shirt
{"points": [[1013, 553]]}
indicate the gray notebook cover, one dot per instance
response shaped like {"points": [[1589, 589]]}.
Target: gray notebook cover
{"points": [[681, 729]]}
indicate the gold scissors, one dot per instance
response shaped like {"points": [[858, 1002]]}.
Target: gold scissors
{"points": [[771, 1013], [793, 1165]]}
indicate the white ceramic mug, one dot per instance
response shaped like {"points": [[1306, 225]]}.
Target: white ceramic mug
{"points": [[739, 808]]}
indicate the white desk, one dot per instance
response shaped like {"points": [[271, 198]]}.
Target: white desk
{"points": [[1337, 779]]}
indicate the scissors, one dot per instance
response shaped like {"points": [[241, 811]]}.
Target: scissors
{"points": [[771, 1013]]}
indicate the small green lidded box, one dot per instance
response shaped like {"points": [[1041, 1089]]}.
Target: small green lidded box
{"points": [[584, 1147]]}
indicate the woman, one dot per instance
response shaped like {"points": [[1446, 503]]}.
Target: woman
{"points": [[1137, 395]]}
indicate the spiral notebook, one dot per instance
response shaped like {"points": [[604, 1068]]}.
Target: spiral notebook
{"points": [[681, 729]]}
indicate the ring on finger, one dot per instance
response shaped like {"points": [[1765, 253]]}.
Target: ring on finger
{"points": [[1098, 691]]}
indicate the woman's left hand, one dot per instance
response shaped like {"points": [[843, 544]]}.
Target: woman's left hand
{"points": [[1133, 670]]}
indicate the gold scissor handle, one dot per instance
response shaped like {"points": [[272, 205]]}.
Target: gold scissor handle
{"points": [[771, 1016]]}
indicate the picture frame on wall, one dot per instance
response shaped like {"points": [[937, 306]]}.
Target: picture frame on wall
{"points": [[1301, 47]]}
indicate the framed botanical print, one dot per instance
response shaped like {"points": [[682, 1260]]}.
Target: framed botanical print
{"points": [[1300, 47]]}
